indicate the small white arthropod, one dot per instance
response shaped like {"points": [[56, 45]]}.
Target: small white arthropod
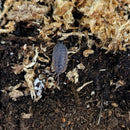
{"points": [[59, 59], [38, 86]]}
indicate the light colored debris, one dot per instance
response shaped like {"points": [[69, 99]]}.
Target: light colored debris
{"points": [[47, 70], [112, 46], [3, 42], [45, 1], [9, 27], [47, 60], [90, 43], [73, 50], [85, 84], [63, 9], [26, 115], [96, 6], [17, 69], [114, 104], [88, 52], [24, 47], [50, 83], [101, 70], [7, 5], [44, 49], [80, 2], [64, 83], [11, 53], [33, 62], [29, 78], [38, 86], [73, 75], [123, 47], [27, 11], [81, 66], [92, 93], [118, 84], [88, 106], [11, 88], [66, 35], [48, 29], [15, 94], [15, 87], [105, 23]]}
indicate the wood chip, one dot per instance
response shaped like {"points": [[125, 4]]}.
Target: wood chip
{"points": [[86, 53]]}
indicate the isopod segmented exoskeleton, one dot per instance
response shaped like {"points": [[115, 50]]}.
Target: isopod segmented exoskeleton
{"points": [[59, 60]]}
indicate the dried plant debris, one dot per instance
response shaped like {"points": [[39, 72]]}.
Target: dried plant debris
{"points": [[7, 5], [29, 78], [85, 84], [45, 1], [118, 84], [50, 83], [21, 11], [27, 11], [17, 69], [81, 66], [31, 57], [107, 20], [86, 53], [73, 75], [26, 115], [63, 9], [9, 27], [14, 93]]}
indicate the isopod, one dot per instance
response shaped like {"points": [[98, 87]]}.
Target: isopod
{"points": [[59, 60]]}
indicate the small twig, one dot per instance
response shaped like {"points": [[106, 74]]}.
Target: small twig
{"points": [[80, 88], [66, 35]]}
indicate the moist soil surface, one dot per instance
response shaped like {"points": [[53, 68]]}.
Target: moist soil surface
{"points": [[103, 104]]}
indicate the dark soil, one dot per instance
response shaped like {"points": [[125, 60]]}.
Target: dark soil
{"points": [[65, 108]]}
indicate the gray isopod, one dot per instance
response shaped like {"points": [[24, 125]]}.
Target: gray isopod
{"points": [[59, 60]]}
